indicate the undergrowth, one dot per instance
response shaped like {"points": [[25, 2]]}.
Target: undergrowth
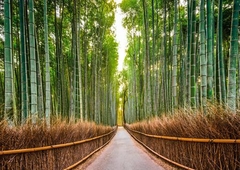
{"points": [[218, 123], [38, 135]]}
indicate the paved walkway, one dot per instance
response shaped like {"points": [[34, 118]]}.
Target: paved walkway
{"points": [[123, 154]]}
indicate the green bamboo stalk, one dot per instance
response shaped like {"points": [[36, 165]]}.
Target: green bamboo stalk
{"points": [[80, 112], [96, 111], [40, 103], [8, 64], [209, 50], [214, 55], [169, 61], [86, 91], [47, 69], [165, 57], [148, 104], [182, 75], [33, 73], [203, 59], [220, 55], [24, 77], [174, 60], [231, 95], [74, 56], [193, 56], [188, 58]]}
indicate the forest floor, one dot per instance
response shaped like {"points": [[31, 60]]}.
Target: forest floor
{"points": [[124, 153]]}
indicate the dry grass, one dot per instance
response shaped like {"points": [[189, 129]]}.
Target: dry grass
{"points": [[30, 136], [220, 123]]}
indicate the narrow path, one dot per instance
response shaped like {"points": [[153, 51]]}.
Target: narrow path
{"points": [[123, 154]]}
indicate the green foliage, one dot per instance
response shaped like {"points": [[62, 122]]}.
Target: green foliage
{"points": [[95, 40], [133, 12], [110, 52], [169, 60]]}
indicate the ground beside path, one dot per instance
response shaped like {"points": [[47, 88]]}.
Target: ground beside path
{"points": [[122, 153]]}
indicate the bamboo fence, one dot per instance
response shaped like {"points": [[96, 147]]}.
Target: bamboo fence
{"points": [[192, 153], [59, 156]]}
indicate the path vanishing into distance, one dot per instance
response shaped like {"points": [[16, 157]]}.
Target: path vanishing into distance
{"points": [[122, 153]]}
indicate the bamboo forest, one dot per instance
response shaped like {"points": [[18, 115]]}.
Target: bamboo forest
{"points": [[64, 93]]}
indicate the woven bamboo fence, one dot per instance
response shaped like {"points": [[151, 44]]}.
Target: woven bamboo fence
{"points": [[193, 153], [54, 157]]}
